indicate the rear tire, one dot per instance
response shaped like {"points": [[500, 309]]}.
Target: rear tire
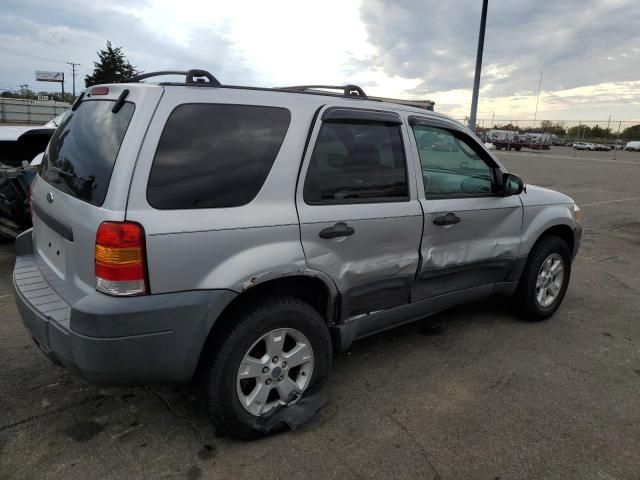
{"points": [[224, 385], [545, 279]]}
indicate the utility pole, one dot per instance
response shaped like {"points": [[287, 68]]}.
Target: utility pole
{"points": [[535, 115], [73, 74], [24, 89], [615, 152], [476, 79]]}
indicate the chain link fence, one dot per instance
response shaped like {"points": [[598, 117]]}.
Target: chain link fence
{"points": [[597, 134]]}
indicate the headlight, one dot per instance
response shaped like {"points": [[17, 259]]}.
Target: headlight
{"points": [[577, 213]]}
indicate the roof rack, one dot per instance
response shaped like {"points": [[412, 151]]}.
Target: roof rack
{"points": [[347, 90], [423, 104], [202, 78], [192, 77]]}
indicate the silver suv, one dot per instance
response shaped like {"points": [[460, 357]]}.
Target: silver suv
{"points": [[246, 232]]}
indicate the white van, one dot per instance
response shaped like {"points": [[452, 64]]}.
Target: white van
{"points": [[633, 147]]}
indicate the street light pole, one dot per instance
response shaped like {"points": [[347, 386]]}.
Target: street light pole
{"points": [[476, 80]]}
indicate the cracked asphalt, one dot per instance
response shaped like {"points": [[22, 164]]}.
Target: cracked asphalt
{"points": [[471, 393]]}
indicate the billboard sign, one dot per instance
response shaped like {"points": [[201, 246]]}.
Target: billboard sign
{"points": [[49, 76]]}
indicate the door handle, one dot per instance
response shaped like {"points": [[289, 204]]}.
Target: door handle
{"points": [[340, 229], [448, 219]]}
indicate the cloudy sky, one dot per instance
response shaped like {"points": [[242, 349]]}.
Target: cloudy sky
{"points": [[587, 50]]}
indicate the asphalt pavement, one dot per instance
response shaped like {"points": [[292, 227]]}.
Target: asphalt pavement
{"points": [[473, 393]]}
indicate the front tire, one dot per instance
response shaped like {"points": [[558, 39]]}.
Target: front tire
{"points": [[276, 350], [545, 279]]}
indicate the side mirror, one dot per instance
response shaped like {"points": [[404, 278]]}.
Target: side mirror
{"points": [[512, 184]]}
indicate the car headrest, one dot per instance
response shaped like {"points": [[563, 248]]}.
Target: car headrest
{"points": [[363, 155]]}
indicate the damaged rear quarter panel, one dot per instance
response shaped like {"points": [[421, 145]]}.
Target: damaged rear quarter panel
{"points": [[235, 259]]}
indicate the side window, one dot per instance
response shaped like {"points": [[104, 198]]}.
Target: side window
{"points": [[214, 156], [450, 166], [357, 163]]}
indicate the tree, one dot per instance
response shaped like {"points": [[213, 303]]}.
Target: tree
{"points": [[509, 126], [557, 128], [112, 67], [579, 132], [601, 133], [631, 133], [546, 125]]}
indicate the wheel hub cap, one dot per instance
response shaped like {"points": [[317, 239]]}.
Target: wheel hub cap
{"points": [[274, 371], [549, 281]]}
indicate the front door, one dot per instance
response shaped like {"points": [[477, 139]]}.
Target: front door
{"points": [[360, 218], [471, 232]]}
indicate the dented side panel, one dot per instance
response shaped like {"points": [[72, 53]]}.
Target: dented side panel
{"points": [[373, 268], [480, 249]]}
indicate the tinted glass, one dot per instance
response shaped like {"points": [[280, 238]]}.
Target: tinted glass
{"points": [[212, 156], [84, 148], [357, 162], [450, 166]]}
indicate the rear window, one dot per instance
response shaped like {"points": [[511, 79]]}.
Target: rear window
{"points": [[84, 148], [214, 156]]}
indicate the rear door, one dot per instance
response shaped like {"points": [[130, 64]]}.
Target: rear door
{"points": [[471, 232], [360, 218], [84, 179]]}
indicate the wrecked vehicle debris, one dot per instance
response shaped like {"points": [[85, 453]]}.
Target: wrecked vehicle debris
{"points": [[19, 145]]}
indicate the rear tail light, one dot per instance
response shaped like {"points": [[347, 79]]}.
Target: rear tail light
{"points": [[121, 267]]}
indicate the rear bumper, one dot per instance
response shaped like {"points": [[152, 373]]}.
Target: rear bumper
{"points": [[109, 340]]}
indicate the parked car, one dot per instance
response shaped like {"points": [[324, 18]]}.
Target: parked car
{"points": [[584, 146], [632, 146], [601, 148], [244, 233]]}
